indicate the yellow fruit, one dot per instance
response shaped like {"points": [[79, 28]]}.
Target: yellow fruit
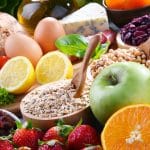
{"points": [[17, 75], [52, 67]]}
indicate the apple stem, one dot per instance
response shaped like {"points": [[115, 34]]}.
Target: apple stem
{"points": [[113, 79]]}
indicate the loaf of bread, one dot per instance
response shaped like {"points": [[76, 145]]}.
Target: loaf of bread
{"points": [[8, 26]]}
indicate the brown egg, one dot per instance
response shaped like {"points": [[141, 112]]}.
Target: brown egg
{"points": [[47, 31], [21, 45]]}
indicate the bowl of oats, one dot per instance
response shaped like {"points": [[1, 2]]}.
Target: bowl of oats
{"points": [[53, 101]]}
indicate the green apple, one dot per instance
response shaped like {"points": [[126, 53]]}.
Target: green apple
{"points": [[119, 85]]}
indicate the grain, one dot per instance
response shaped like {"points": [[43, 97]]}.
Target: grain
{"points": [[54, 100], [118, 55]]}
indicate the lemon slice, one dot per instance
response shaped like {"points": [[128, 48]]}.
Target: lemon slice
{"points": [[52, 67], [17, 75]]}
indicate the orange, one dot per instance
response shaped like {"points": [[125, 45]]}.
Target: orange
{"points": [[128, 129], [127, 4]]}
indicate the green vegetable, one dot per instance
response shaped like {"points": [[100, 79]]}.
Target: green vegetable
{"points": [[5, 97], [76, 45], [100, 50], [72, 44], [10, 6]]}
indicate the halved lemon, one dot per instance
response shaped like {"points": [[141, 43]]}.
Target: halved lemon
{"points": [[17, 75], [52, 67]]}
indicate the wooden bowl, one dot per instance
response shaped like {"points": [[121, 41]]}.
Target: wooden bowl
{"points": [[122, 17], [47, 122], [121, 44], [71, 119]]}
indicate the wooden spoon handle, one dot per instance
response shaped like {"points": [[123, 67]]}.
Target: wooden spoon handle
{"points": [[91, 47], [79, 79]]}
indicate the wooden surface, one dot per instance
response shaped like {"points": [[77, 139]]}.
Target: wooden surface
{"points": [[15, 107]]}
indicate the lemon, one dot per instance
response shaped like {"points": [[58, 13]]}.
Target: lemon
{"points": [[52, 67], [17, 75]]}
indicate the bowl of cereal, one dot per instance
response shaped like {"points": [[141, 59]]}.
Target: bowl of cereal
{"points": [[53, 101]]}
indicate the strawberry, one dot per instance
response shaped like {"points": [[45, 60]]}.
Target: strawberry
{"points": [[26, 136], [24, 148], [5, 145], [95, 147], [82, 136], [51, 145], [59, 132]]}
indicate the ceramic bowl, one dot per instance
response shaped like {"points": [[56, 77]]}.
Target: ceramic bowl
{"points": [[122, 17], [7, 122]]}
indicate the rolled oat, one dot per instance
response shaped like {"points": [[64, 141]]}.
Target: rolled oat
{"points": [[54, 100]]}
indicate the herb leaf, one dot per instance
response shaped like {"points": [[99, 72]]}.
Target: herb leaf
{"points": [[100, 50], [76, 45], [6, 97], [72, 44]]}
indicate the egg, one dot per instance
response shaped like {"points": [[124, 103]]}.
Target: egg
{"points": [[47, 31], [21, 45]]}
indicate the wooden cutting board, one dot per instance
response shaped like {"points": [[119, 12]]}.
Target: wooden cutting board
{"points": [[15, 107]]}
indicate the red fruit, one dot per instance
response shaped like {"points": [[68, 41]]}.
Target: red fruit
{"points": [[54, 133], [51, 145], [26, 137], [3, 60], [110, 35], [59, 133], [6, 145], [82, 136], [97, 147]]}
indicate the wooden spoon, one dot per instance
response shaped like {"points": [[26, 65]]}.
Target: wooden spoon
{"points": [[79, 79], [146, 48]]}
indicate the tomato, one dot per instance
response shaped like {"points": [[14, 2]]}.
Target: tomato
{"points": [[3, 60]]}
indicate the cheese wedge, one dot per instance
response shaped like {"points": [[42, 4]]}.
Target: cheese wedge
{"points": [[88, 20]]}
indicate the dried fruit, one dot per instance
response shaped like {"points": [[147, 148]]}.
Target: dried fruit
{"points": [[137, 31]]}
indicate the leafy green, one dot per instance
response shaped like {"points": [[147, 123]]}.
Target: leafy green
{"points": [[10, 6], [6, 97], [76, 45], [100, 50], [72, 44], [64, 129]]}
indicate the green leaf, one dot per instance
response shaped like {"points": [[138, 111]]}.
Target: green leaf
{"points": [[100, 50], [60, 122], [27, 124], [72, 44], [6, 97], [65, 130], [19, 124], [10, 6], [3, 3]]}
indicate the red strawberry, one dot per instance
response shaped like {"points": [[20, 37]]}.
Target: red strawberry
{"points": [[96, 147], [51, 145], [26, 136], [24, 148], [82, 136], [5, 145], [59, 132]]}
